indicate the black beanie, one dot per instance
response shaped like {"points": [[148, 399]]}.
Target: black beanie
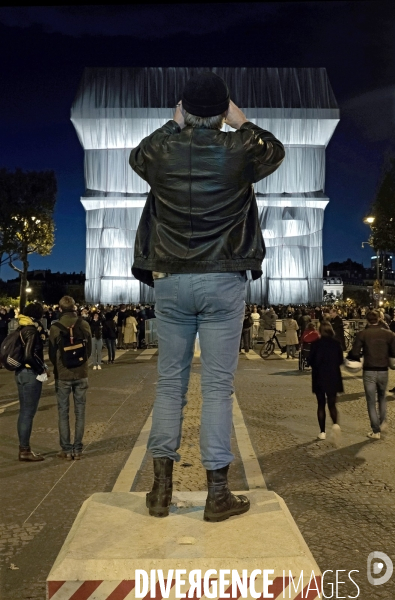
{"points": [[205, 95]]}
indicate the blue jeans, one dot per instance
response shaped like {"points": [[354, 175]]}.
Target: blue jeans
{"points": [[63, 390], [97, 346], [211, 304], [29, 392], [376, 381], [111, 346]]}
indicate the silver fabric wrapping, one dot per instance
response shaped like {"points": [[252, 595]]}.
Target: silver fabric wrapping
{"points": [[115, 108]]}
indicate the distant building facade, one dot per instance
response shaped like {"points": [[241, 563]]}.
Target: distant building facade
{"points": [[48, 287]]}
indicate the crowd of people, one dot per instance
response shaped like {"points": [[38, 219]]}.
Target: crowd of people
{"points": [[119, 327], [123, 327]]}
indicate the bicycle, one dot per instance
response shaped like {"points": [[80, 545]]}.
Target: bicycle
{"points": [[349, 337], [269, 346]]}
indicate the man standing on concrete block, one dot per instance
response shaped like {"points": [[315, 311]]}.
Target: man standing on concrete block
{"points": [[70, 345], [198, 236]]}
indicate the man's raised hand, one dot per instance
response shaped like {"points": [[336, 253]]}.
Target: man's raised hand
{"points": [[235, 117]]}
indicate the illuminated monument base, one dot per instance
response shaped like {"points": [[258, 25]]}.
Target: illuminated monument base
{"points": [[115, 108]]}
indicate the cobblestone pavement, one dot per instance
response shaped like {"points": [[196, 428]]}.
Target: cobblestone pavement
{"points": [[342, 498]]}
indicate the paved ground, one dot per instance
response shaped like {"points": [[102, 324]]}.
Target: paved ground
{"points": [[341, 498]]}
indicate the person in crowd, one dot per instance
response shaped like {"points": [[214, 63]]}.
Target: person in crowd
{"points": [[97, 340], [4, 320], [30, 376], [291, 337], [246, 331], [382, 321], [70, 380], [190, 162], [337, 325], [85, 314], [256, 320], [130, 332], [326, 356], [310, 334], [110, 335], [269, 323], [303, 321], [140, 330], [121, 316], [377, 345]]}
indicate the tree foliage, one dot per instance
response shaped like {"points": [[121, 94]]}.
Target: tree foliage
{"points": [[27, 202], [383, 210]]}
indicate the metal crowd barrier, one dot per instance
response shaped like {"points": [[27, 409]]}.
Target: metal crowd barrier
{"points": [[151, 334]]}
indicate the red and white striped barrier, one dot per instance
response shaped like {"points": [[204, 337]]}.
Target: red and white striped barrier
{"points": [[125, 590]]}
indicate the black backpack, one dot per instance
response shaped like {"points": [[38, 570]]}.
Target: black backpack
{"points": [[12, 350], [73, 350]]}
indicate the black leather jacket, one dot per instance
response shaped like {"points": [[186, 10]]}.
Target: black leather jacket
{"points": [[201, 213]]}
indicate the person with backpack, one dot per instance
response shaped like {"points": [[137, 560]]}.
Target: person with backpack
{"points": [[70, 345], [27, 355]]}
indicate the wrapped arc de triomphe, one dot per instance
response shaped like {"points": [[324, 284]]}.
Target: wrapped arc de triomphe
{"points": [[116, 107]]}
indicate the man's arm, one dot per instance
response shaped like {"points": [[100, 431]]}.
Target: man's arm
{"points": [[266, 151], [87, 336], [355, 352]]}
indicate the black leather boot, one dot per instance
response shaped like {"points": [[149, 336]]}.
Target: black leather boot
{"points": [[159, 498], [221, 503]]}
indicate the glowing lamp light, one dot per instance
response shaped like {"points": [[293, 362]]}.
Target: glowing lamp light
{"points": [[28, 290], [369, 220]]}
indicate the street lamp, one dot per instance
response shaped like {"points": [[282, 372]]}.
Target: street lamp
{"points": [[369, 220]]}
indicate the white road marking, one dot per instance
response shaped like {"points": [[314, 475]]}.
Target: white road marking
{"points": [[250, 462], [147, 354], [133, 463], [4, 406], [87, 446], [252, 355]]}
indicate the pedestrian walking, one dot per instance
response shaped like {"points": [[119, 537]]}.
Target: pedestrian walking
{"points": [[97, 341], [121, 316], [110, 336], [269, 323], [30, 376], [377, 345], [337, 324], [70, 379], [255, 322], [326, 356], [291, 337], [198, 234], [246, 331], [130, 331]]}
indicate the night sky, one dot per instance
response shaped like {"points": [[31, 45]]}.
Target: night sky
{"points": [[45, 49]]}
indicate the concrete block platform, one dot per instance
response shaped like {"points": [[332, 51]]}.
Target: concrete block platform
{"points": [[113, 536]]}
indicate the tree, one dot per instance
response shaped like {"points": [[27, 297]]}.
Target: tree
{"points": [[382, 238], [27, 202]]}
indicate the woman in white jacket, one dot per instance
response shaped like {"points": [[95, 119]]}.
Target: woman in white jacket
{"points": [[291, 337]]}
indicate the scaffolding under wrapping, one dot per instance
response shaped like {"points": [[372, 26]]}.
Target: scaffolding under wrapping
{"points": [[116, 107]]}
